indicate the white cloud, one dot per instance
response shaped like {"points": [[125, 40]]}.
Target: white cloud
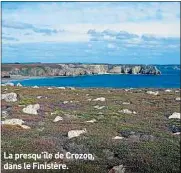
{"points": [[159, 19], [166, 29]]}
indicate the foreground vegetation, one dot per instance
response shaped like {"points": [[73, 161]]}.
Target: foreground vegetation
{"points": [[148, 143]]}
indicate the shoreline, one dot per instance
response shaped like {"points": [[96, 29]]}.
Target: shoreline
{"points": [[141, 89], [20, 78]]}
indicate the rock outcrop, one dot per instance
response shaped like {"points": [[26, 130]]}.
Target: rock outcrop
{"points": [[8, 84], [117, 169], [153, 93], [19, 85], [177, 99], [31, 109], [127, 111], [57, 118], [9, 97], [15, 122], [102, 99], [75, 133], [174, 115], [10, 70], [91, 121]]}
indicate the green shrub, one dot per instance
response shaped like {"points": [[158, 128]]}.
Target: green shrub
{"points": [[27, 101]]}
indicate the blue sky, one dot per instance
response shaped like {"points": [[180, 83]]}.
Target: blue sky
{"points": [[91, 32]]}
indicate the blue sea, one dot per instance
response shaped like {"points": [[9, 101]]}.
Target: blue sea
{"points": [[170, 78]]}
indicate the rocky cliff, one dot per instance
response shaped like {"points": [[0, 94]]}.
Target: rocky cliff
{"points": [[9, 70]]}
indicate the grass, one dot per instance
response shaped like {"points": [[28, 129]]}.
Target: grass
{"points": [[159, 156], [27, 101]]}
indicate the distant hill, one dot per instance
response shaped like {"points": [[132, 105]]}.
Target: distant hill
{"points": [[74, 69]]}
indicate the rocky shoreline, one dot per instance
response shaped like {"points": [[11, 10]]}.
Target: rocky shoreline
{"points": [[10, 71]]}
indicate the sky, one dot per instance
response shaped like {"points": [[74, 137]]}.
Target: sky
{"points": [[91, 32]]}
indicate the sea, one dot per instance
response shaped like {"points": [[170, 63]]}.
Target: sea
{"points": [[170, 78]]}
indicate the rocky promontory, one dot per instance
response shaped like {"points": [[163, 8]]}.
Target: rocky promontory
{"points": [[9, 70]]}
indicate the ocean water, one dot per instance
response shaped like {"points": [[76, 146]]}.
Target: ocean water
{"points": [[170, 78]]}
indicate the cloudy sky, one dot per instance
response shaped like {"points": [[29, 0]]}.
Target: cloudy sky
{"points": [[91, 32]]}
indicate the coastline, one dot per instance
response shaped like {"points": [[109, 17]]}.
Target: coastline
{"points": [[20, 78]]}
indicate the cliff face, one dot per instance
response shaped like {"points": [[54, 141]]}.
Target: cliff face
{"points": [[75, 69]]}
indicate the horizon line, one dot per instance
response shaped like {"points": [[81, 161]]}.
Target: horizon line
{"points": [[81, 63]]}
